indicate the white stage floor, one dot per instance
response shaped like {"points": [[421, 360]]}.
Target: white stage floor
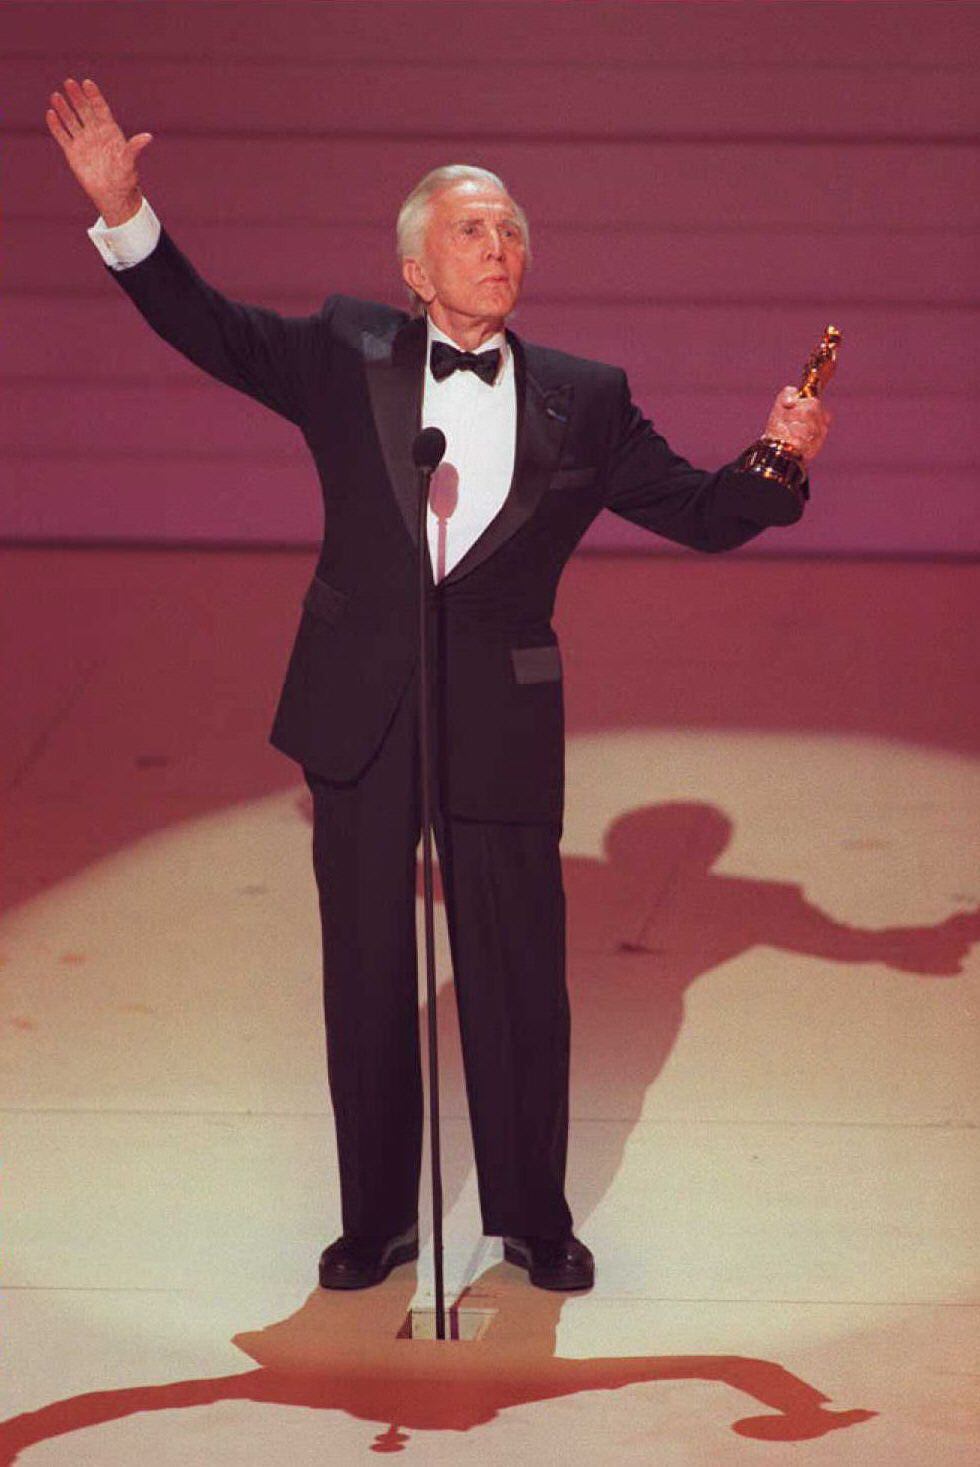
{"points": [[771, 863]]}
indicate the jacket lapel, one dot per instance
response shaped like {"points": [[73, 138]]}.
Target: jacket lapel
{"points": [[394, 367], [542, 417]]}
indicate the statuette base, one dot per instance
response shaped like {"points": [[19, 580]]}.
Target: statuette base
{"points": [[774, 459]]}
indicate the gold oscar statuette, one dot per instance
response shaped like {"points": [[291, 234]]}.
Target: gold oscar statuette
{"points": [[774, 458]]}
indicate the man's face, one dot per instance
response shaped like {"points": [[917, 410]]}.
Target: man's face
{"points": [[473, 256]]}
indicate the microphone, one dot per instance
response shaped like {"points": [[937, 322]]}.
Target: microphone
{"points": [[428, 449]]}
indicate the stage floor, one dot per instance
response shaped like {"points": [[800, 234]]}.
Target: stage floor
{"points": [[771, 864]]}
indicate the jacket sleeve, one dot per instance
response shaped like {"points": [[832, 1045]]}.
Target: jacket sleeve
{"points": [[650, 485], [257, 351]]}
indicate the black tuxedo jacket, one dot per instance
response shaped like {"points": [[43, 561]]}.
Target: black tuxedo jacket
{"points": [[350, 378]]}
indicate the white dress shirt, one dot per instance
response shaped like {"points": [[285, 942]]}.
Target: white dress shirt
{"points": [[479, 419]]}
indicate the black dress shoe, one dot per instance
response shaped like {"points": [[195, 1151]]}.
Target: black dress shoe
{"points": [[553, 1263], [354, 1262]]}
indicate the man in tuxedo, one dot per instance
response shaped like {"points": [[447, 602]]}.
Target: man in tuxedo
{"points": [[538, 443]]}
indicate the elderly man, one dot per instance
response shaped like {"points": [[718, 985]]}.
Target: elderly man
{"points": [[538, 443]]}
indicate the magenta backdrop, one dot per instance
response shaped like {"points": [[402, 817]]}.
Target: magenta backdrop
{"points": [[708, 186]]}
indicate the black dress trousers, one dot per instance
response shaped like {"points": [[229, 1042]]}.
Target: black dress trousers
{"points": [[506, 918]]}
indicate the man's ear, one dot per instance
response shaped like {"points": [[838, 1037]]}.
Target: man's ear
{"points": [[414, 276]]}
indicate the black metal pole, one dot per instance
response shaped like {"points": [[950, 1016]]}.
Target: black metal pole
{"points": [[425, 781]]}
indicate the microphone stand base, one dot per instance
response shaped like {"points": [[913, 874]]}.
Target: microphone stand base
{"points": [[462, 1325]]}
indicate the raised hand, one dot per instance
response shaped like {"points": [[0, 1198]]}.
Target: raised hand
{"points": [[97, 150]]}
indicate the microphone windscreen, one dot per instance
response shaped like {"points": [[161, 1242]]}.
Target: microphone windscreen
{"points": [[428, 448]]}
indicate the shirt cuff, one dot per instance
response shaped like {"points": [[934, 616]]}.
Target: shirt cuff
{"points": [[124, 245]]}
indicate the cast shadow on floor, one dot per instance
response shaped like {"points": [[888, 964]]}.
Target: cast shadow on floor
{"points": [[340, 1352], [644, 922]]}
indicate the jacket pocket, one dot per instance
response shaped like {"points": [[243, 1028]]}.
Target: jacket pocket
{"points": [[537, 664], [324, 602]]}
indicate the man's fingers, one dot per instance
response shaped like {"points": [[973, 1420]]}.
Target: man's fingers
{"points": [[66, 115], [95, 100], [55, 128], [801, 421], [78, 100], [816, 416]]}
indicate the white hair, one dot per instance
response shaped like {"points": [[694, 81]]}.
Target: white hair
{"points": [[413, 216]]}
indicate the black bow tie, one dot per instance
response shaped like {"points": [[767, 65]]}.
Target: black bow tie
{"points": [[445, 360]]}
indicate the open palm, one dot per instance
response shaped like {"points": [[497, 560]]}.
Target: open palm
{"points": [[96, 148]]}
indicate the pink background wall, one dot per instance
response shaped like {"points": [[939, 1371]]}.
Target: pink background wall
{"points": [[708, 186]]}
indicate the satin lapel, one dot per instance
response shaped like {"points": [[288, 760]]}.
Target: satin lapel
{"points": [[542, 417], [393, 366]]}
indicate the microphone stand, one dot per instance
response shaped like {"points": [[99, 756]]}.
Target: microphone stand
{"points": [[425, 759]]}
